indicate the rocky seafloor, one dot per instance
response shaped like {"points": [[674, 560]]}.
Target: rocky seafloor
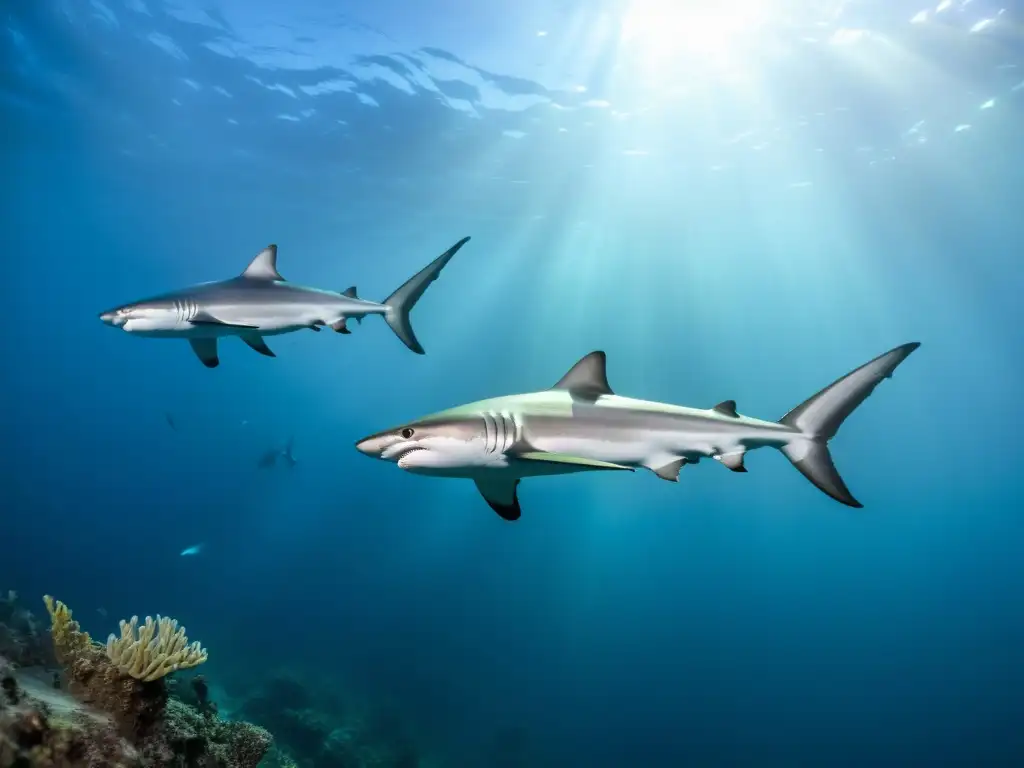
{"points": [[66, 701]]}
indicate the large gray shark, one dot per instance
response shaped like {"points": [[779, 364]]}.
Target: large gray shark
{"points": [[581, 425], [259, 302]]}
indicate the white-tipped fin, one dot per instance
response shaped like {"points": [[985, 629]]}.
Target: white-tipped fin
{"points": [[264, 266], [588, 378]]}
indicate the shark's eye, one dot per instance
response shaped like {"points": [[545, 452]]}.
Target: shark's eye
{"points": [[407, 433]]}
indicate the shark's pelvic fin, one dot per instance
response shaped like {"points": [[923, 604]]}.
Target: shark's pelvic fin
{"points": [[256, 341], [205, 318], [350, 292], [206, 351], [819, 418], [669, 471], [400, 303], [588, 378], [561, 458], [264, 266], [341, 326], [502, 494], [733, 460], [727, 408]]}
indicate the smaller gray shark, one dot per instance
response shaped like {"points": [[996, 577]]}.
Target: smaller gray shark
{"points": [[259, 302], [269, 459], [581, 425]]}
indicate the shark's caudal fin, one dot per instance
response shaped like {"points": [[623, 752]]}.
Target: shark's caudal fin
{"points": [[401, 302], [820, 417]]}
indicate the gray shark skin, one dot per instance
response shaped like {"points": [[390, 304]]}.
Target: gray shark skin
{"points": [[581, 425], [259, 302]]}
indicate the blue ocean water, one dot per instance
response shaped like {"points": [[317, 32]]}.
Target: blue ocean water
{"points": [[745, 222]]}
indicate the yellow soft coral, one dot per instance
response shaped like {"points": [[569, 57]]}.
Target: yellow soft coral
{"points": [[68, 638], [153, 650]]}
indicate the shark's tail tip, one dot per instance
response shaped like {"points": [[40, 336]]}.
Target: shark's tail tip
{"points": [[818, 419], [400, 303]]}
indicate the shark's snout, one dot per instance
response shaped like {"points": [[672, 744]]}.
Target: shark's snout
{"points": [[370, 446], [114, 317]]}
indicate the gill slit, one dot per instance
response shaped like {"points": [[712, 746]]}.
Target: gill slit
{"points": [[502, 431]]}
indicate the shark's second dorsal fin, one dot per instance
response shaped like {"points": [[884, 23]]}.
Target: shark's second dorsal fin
{"points": [[588, 378], [727, 408], [264, 266], [350, 292]]}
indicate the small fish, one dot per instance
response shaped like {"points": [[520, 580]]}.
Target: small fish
{"points": [[102, 612], [170, 421], [195, 549]]}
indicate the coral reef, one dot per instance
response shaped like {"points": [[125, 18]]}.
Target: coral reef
{"points": [[115, 711], [317, 732], [22, 639]]}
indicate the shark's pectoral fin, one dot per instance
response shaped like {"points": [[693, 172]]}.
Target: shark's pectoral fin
{"points": [[341, 326], [502, 494], [205, 318], [669, 471], [256, 341], [206, 351], [561, 458], [315, 328]]}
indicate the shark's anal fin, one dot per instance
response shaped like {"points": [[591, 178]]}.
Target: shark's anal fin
{"points": [[205, 318], [341, 326], [669, 471], [264, 266], [588, 379], [502, 495], [256, 341], [350, 292], [206, 351], [733, 460], [579, 461], [727, 408]]}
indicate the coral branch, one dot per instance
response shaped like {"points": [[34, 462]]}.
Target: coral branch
{"points": [[153, 650]]}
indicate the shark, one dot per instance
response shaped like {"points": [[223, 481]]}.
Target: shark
{"points": [[260, 302], [269, 459], [581, 425]]}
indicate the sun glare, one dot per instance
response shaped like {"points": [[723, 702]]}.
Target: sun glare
{"points": [[709, 29]]}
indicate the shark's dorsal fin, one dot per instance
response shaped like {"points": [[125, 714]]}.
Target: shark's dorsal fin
{"points": [[350, 292], [588, 378], [727, 408], [264, 266]]}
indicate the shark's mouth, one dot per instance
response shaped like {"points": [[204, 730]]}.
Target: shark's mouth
{"points": [[405, 455]]}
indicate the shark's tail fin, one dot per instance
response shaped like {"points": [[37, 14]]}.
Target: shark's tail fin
{"points": [[401, 302], [820, 417]]}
